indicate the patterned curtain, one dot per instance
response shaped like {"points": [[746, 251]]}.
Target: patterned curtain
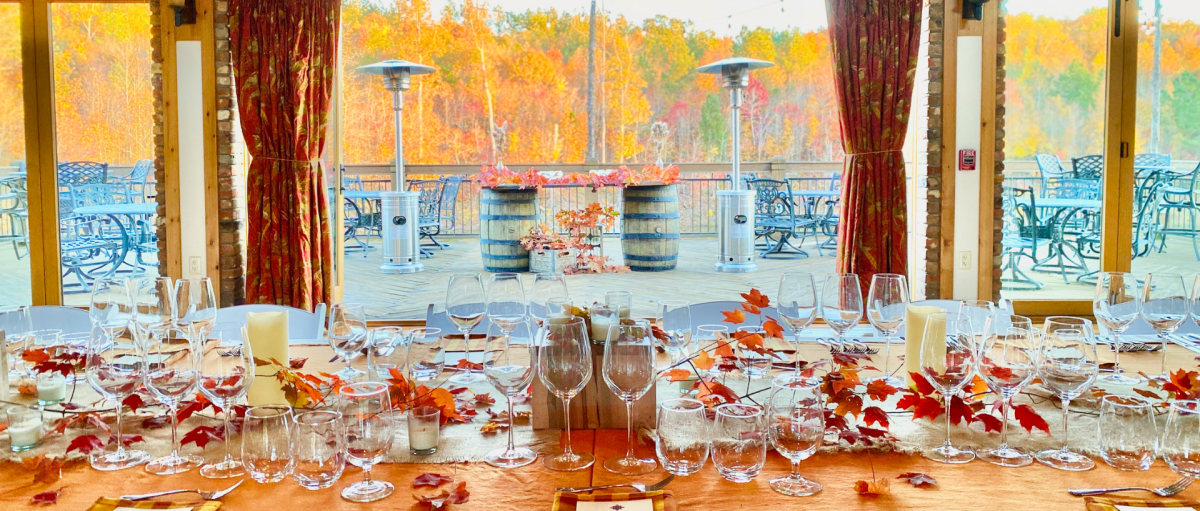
{"points": [[874, 45], [284, 53]]}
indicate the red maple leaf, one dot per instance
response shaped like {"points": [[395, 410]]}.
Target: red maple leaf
{"points": [[713, 393], [431, 480], [875, 415], [484, 399], [201, 436], [924, 388], [872, 432], [47, 498], [86, 444], [909, 400], [156, 422], [918, 479], [752, 309], [465, 364], [126, 440], [133, 401], [459, 495], [736, 317], [1029, 418], [756, 298], [879, 390], [773, 329], [848, 359], [928, 407], [990, 422], [35, 356], [960, 411], [297, 363], [45, 470]]}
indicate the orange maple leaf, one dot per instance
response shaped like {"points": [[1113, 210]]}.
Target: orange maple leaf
{"points": [[752, 309], [848, 381], [725, 349], [676, 374], [735, 317], [703, 361], [752, 342], [773, 329], [756, 298]]}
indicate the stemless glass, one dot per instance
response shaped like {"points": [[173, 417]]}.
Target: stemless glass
{"points": [[172, 372], [112, 305], [622, 301], [195, 306], [1128, 434], [796, 305], [545, 286], [1181, 439], [1116, 304], [841, 304], [1007, 363], [426, 355], [226, 372], [367, 414], [319, 446], [629, 373], [739, 442], [267, 443], [709, 337], [508, 364], [466, 307], [682, 429], [153, 304], [753, 364], [796, 423], [1164, 306], [389, 347], [16, 323], [948, 362], [674, 317], [115, 369], [887, 302], [1068, 367], [348, 335], [564, 362]]}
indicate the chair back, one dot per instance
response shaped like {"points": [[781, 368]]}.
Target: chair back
{"points": [[74, 173], [773, 203], [68, 319], [450, 186], [1151, 160], [135, 182], [1050, 168], [1088, 167], [430, 190], [102, 194], [1145, 217], [354, 183], [301, 323]]}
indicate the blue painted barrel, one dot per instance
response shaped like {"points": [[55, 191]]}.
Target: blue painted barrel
{"points": [[504, 217], [650, 227]]}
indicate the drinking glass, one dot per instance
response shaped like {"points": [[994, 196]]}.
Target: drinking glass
{"points": [[506, 306], [796, 423], [367, 415], [622, 301], [1116, 304], [1128, 433], [115, 370], [841, 304], [51, 385], [1181, 439], [629, 373], [887, 302], [153, 304], [1007, 363], [796, 305], [319, 446], [112, 305], [682, 429], [16, 322], [348, 335], [558, 307], [426, 356], [604, 318], [172, 372], [226, 373], [1068, 367], [1164, 306], [267, 443], [709, 337], [739, 442], [753, 364], [948, 362], [424, 430], [564, 362], [1194, 302], [388, 351], [545, 286], [466, 307], [508, 364], [674, 317], [195, 305], [26, 427]]}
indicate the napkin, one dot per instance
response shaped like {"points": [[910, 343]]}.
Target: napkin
{"points": [[661, 500], [107, 504], [268, 338], [1106, 504]]}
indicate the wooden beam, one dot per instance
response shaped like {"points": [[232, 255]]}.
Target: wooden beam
{"points": [[40, 153], [1120, 131], [170, 201], [949, 144], [986, 160]]}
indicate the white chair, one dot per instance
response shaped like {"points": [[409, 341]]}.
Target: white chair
{"points": [[302, 324], [709, 313], [69, 320]]}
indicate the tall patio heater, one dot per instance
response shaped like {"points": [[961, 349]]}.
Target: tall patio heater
{"points": [[735, 207], [401, 210]]}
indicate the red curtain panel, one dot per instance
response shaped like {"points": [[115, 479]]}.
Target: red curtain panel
{"points": [[284, 53], [874, 44]]}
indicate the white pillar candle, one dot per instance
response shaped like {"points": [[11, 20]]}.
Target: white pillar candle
{"points": [[26, 434], [268, 338], [914, 332], [51, 388], [424, 437], [600, 326]]}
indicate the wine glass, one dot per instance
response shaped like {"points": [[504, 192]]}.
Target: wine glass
{"points": [[112, 305], [796, 305], [1116, 305], [564, 362], [948, 362], [682, 428], [226, 372], [347, 332], [629, 373], [153, 305], [16, 324], [1007, 363], [1068, 367], [389, 347], [796, 423], [172, 372], [426, 354], [506, 301], [367, 413], [674, 317], [545, 285], [508, 364], [841, 304], [466, 307], [1164, 306], [887, 302], [1181, 439], [196, 305], [115, 369], [267, 443]]}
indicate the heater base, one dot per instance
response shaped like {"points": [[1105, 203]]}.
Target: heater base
{"points": [[736, 267], [402, 268]]}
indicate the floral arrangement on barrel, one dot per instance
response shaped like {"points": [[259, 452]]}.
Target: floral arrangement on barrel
{"points": [[491, 176], [583, 227]]}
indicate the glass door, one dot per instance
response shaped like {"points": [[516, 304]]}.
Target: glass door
{"points": [[15, 258]]}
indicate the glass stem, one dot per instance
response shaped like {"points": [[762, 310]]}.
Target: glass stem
{"points": [[1004, 406], [366, 474], [174, 431], [887, 356], [1163, 338], [1066, 404], [796, 337], [120, 445], [1116, 353], [567, 453], [228, 432], [796, 470], [946, 399], [629, 429], [511, 420]]}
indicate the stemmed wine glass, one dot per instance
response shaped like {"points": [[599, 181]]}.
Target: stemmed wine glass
{"points": [[112, 305], [506, 301], [115, 368], [796, 423], [1068, 367], [629, 373], [545, 286], [1164, 306], [1116, 305], [508, 364], [841, 304], [1008, 362], [796, 305], [226, 372], [465, 306], [948, 362], [675, 319], [171, 381], [153, 305], [348, 335], [887, 302], [195, 306], [367, 414], [564, 361]]}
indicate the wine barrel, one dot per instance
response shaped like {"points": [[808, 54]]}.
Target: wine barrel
{"points": [[650, 227], [504, 217]]}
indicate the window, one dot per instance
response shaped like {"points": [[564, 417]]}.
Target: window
{"points": [[14, 210]]}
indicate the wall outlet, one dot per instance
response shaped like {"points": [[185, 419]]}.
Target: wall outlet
{"points": [[964, 260], [194, 266]]}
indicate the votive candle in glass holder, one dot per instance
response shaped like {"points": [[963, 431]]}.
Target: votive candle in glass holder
{"points": [[424, 430], [51, 388], [24, 427]]}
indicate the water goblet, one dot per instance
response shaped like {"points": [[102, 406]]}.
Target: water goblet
{"points": [[948, 362], [629, 373], [319, 446], [1068, 367], [367, 415], [564, 365], [887, 302], [796, 424], [1116, 305], [682, 429], [1164, 306], [388, 353], [841, 304], [739, 442], [1007, 363], [172, 373], [115, 369], [348, 335], [508, 364], [545, 286], [267, 443], [674, 317], [466, 306], [226, 373], [796, 305], [195, 306]]}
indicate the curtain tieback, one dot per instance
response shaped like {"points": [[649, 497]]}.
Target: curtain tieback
{"points": [[313, 161], [876, 152]]}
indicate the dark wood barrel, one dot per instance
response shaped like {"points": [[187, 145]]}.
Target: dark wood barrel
{"points": [[504, 217], [650, 227]]}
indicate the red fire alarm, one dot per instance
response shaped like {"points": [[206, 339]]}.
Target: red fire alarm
{"points": [[966, 159]]}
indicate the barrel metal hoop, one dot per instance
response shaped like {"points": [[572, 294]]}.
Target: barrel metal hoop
{"points": [[505, 257], [508, 217], [651, 268], [640, 198], [650, 258], [499, 242], [650, 236], [506, 202], [650, 216]]}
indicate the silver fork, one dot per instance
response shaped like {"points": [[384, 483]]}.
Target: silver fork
{"points": [[637, 486], [1166, 491], [206, 495]]}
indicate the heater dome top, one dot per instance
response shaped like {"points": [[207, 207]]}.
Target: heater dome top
{"points": [[718, 66], [386, 67]]}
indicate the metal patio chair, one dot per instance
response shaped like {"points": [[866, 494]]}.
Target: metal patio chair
{"points": [[136, 182], [775, 218], [1051, 170], [443, 215], [1180, 194], [1088, 167], [429, 207], [1022, 236]]}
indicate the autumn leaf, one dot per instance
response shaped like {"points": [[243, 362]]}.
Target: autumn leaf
{"points": [[460, 495], [85, 444], [431, 480], [703, 361], [918, 479], [492, 427], [960, 411], [35, 356], [752, 342], [45, 470], [713, 393], [875, 415], [677, 374], [990, 422], [1147, 393], [846, 379], [736, 317], [977, 386], [923, 386], [928, 407], [484, 399], [27, 387], [756, 298], [467, 365], [772, 328], [133, 401], [872, 432], [126, 440], [751, 309], [47, 498], [725, 349], [848, 403], [297, 363], [201, 436], [876, 488], [1029, 418], [879, 390]]}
